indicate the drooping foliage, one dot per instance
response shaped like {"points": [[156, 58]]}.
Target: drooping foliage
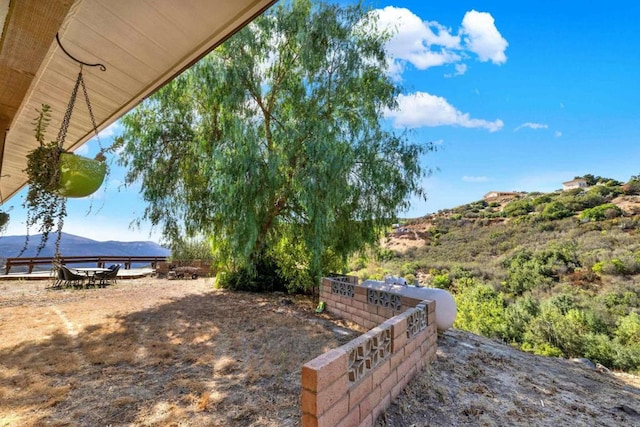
{"points": [[274, 144]]}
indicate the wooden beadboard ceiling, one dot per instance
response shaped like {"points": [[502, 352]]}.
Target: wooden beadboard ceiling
{"points": [[142, 43]]}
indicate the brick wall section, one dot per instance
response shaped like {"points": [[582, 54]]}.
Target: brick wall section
{"points": [[353, 384], [357, 308]]}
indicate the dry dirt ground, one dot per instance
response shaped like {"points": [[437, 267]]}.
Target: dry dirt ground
{"points": [[151, 352], [479, 382]]}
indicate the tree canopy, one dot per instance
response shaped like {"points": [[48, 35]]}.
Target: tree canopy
{"points": [[274, 145]]}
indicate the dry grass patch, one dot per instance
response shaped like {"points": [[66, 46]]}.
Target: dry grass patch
{"points": [[153, 352]]}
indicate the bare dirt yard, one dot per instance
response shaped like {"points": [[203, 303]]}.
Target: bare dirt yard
{"points": [[152, 352]]}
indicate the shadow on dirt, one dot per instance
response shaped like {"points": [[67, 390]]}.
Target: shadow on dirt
{"points": [[216, 358]]}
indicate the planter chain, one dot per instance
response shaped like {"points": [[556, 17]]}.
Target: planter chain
{"points": [[93, 119], [79, 81], [62, 134]]}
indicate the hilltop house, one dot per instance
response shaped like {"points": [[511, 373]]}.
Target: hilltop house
{"points": [[574, 183], [493, 196]]}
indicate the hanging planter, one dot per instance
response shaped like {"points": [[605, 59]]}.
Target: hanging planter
{"points": [[80, 176], [54, 174]]}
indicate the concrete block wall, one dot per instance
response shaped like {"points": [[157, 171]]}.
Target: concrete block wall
{"points": [[351, 385]]}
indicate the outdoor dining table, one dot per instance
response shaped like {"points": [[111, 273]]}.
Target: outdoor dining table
{"points": [[90, 272]]}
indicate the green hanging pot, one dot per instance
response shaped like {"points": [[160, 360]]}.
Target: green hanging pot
{"points": [[80, 176]]}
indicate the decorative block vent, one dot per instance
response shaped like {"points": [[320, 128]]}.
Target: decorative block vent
{"points": [[384, 299], [342, 288], [369, 354], [417, 321]]}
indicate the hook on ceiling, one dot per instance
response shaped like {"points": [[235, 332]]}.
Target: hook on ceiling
{"points": [[102, 66]]}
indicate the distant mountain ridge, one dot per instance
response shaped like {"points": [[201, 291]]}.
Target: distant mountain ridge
{"points": [[71, 245]]}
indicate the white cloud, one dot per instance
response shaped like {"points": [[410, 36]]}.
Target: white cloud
{"points": [[558, 134], [476, 178], [113, 129], [460, 69], [483, 38], [531, 126], [421, 43], [426, 44], [423, 109]]}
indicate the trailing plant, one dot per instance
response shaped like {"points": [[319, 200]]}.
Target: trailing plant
{"points": [[43, 203], [55, 174], [46, 202], [4, 221]]}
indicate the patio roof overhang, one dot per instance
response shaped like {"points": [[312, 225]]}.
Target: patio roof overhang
{"points": [[142, 43]]}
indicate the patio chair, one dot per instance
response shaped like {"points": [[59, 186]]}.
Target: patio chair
{"points": [[103, 278], [72, 278], [59, 280]]}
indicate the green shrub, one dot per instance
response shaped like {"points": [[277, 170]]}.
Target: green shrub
{"points": [[480, 310], [563, 332], [632, 187], [605, 191], [410, 278], [526, 272], [358, 263], [265, 278], [555, 210], [517, 318], [630, 299], [541, 200], [627, 358], [626, 265], [408, 268], [599, 349], [628, 329], [618, 266], [518, 208], [598, 267], [190, 249], [385, 254], [599, 213], [563, 302], [442, 281], [542, 349]]}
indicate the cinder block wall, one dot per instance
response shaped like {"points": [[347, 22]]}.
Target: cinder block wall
{"points": [[351, 385]]}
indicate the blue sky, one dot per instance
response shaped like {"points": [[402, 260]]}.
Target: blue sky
{"points": [[516, 95]]}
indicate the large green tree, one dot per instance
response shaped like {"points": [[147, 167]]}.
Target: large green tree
{"points": [[274, 144]]}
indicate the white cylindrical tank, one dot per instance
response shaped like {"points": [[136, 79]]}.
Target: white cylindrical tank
{"points": [[445, 304]]}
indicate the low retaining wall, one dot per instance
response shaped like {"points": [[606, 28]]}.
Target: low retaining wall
{"points": [[351, 385]]}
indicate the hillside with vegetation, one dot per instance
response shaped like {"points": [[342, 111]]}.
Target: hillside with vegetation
{"points": [[555, 274]]}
